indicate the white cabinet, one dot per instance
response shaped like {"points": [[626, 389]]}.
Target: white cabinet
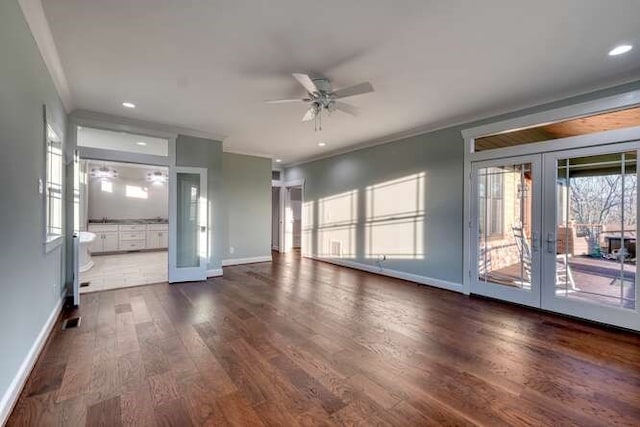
{"points": [[106, 238], [132, 238], [128, 237], [105, 241], [110, 242], [157, 236]]}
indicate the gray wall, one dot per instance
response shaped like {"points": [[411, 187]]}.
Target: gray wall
{"points": [[247, 200], [431, 154], [439, 155], [30, 285], [206, 153]]}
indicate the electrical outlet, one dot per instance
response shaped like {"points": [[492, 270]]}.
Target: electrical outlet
{"points": [[231, 249]]}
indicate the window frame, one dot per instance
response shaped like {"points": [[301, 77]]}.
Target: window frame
{"points": [[489, 199], [53, 187]]}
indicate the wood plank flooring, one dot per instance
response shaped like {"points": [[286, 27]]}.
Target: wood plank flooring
{"points": [[299, 342]]}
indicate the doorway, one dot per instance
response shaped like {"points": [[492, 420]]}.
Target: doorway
{"points": [[276, 221], [123, 225], [295, 208], [558, 231], [291, 212]]}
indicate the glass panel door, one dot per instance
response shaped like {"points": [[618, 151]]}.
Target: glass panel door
{"points": [[591, 203], [506, 225], [188, 225]]}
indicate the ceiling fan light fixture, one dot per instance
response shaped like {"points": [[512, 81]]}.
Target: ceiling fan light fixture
{"points": [[157, 177], [321, 98], [103, 173]]}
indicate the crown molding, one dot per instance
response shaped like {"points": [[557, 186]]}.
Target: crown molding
{"points": [[126, 124], [246, 153], [37, 21], [469, 119]]}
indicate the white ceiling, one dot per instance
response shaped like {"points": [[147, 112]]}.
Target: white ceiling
{"points": [[209, 65]]}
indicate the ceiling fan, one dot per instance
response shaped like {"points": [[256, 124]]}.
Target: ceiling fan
{"points": [[322, 98]]}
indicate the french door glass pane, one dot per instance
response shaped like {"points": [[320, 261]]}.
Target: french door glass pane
{"points": [[596, 211], [504, 225], [188, 221]]}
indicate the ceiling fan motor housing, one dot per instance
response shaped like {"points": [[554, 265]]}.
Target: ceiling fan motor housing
{"points": [[323, 84]]}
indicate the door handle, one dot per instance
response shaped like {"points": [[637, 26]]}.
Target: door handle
{"points": [[203, 228], [551, 243], [534, 242]]}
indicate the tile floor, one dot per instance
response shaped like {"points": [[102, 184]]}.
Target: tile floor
{"points": [[125, 270]]}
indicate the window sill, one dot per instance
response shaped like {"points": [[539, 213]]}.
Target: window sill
{"points": [[52, 243]]}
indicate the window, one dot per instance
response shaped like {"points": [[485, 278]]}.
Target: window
{"points": [[491, 190], [53, 187], [135, 192]]}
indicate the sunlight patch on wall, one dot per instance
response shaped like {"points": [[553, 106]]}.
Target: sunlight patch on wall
{"points": [[337, 218], [394, 225]]}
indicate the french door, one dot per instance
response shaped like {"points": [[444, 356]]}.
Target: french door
{"points": [[590, 226], [188, 224], [558, 231], [505, 255]]}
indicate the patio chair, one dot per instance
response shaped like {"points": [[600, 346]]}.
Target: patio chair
{"points": [[563, 269]]}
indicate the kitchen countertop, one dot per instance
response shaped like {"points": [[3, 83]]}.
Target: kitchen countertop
{"points": [[129, 221]]}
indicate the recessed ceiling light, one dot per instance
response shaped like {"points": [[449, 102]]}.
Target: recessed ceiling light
{"points": [[321, 144], [278, 160], [619, 50], [129, 105], [141, 143]]}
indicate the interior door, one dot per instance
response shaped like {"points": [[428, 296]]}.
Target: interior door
{"points": [[188, 224], [506, 225], [76, 229], [590, 229]]}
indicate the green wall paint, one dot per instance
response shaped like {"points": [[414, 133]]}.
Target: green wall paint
{"points": [[206, 153], [31, 282], [239, 191], [247, 200], [440, 156]]}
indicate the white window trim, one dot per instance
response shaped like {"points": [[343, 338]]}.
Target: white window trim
{"points": [[52, 241]]}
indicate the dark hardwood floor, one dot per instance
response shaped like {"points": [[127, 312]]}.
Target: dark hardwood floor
{"points": [[299, 342]]}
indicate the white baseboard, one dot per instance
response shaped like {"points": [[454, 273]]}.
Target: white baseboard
{"points": [[252, 260], [15, 388], [424, 280], [214, 272]]}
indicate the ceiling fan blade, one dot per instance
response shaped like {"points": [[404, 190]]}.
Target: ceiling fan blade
{"points": [[346, 108], [310, 114], [284, 101], [306, 81], [358, 89]]}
